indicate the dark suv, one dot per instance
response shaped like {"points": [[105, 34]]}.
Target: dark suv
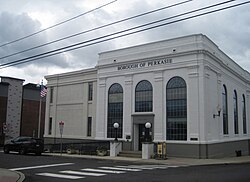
{"points": [[24, 145]]}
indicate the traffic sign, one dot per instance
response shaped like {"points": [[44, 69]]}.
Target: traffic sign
{"points": [[61, 126]]}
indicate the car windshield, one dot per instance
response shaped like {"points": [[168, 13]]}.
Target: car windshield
{"points": [[20, 139]]}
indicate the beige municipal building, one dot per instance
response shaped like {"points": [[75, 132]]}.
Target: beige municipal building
{"points": [[195, 97]]}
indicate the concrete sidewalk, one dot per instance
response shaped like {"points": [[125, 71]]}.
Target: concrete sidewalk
{"points": [[168, 161], [11, 176]]}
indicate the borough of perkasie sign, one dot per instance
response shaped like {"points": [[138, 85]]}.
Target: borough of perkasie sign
{"points": [[144, 64]]}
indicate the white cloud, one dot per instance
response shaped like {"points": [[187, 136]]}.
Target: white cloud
{"points": [[229, 29]]}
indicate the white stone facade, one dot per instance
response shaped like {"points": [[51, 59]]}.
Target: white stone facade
{"points": [[67, 101], [205, 69]]}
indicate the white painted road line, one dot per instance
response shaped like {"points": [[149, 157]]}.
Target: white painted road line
{"points": [[138, 167], [83, 173], [42, 166], [147, 167], [102, 171], [60, 176], [121, 169]]}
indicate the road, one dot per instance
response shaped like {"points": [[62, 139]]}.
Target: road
{"points": [[63, 169]]}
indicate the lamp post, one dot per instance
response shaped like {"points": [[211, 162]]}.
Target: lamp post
{"points": [[116, 126], [148, 126]]}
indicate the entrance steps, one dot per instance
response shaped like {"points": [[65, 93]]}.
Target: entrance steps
{"points": [[133, 154]]}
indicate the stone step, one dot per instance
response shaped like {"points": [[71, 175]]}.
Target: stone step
{"points": [[133, 154]]}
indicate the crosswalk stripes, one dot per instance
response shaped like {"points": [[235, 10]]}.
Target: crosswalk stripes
{"points": [[102, 171], [121, 169], [60, 176], [82, 173]]}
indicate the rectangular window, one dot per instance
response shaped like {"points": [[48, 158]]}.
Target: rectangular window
{"points": [[50, 126], [89, 126], [90, 91], [51, 94]]}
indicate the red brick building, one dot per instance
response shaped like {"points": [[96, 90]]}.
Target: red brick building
{"points": [[30, 111]]}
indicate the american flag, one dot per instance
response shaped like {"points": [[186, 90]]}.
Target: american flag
{"points": [[43, 91]]}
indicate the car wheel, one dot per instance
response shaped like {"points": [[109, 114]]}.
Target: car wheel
{"points": [[22, 151], [6, 150]]}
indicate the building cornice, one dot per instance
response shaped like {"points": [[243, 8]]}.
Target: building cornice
{"points": [[72, 73], [228, 68]]}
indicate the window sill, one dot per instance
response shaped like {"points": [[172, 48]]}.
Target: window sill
{"points": [[143, 113]]}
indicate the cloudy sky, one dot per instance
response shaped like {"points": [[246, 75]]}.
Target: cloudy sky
{"points": [[229, 29]]}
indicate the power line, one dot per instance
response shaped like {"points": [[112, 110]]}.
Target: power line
{"points": [[73, 45], [97, 28], [64, 49], [51, 53], [60, 23]]}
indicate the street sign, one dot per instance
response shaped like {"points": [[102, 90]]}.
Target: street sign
{"points": [[61, 125]]}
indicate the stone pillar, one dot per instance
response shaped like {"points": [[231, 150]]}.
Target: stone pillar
{"points": [[159, 126], [115, 148], [128, 100], [147, 150], [101, 117]]}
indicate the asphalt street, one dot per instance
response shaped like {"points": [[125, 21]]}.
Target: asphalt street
{"points": [[63, 169]]}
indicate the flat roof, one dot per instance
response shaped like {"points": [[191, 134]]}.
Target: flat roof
{"points": [[12, 78]]}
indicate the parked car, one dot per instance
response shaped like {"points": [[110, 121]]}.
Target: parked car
{"points": [[23, 145]]}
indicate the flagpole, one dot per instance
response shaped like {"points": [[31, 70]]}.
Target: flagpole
{"points": [[40, 110], [39, 120]]}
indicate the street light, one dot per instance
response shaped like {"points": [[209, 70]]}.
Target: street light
{"points": [[148, 126], [116, 126]]}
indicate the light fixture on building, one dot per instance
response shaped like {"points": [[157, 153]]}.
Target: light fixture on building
{"points": [[116, 126], [218, 110], [148, 125]]}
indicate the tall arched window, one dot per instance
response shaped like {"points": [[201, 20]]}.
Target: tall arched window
{"points": [[115, 110], [244, 115], [236, 124], [144, 97], [176, 109], [225, 110]]}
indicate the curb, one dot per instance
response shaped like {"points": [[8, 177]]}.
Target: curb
{"points": [[11, 176], [21, 176], [181, 162]]}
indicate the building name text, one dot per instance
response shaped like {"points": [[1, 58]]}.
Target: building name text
{"points": [[145, 64]]}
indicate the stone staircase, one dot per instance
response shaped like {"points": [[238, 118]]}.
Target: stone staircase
{"points": [[133, 154]]}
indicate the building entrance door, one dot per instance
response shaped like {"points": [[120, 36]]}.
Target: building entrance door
{"points": [[139, 130], [141, 136]]}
